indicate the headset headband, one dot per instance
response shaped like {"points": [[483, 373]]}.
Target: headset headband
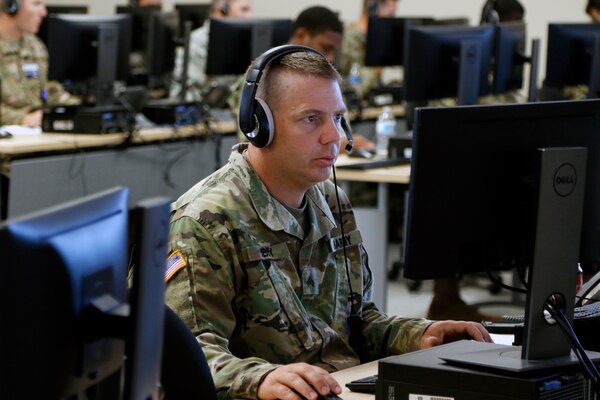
{"points": [[246, 117]]}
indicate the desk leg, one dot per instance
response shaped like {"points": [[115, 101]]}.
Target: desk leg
{"points": [[372, 222]]}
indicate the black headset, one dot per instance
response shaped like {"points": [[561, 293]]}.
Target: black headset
{"points": [[11, 7], [373, 8], [255, 116], [224, 8]]}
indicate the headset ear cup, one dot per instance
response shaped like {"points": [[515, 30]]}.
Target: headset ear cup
{"points": [[11, 7], [265, 126]]}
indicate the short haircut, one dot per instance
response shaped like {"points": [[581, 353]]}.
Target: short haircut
{"points": [[509, 10], [304, 63], [592, 4], [318, 19]]}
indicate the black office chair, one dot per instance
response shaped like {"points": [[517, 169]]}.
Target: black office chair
{"points": [[184, 372]]}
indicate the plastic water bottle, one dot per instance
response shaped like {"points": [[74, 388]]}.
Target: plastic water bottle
{"points": [[385, 127], [355, 79]]}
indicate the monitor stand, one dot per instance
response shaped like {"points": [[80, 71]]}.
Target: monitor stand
{"points": [[554, 269]]}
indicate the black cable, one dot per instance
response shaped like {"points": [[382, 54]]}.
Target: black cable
{"points": [[503, 285], [355, 321], [589, 368]]}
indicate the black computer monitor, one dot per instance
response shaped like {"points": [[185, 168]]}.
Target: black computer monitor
{"points": [[448, 61], [66, 329], [161, 44], [234, 43], [480, 201], [89, 48], [55, 9], [196, 14], [140, 24], [573, 56], [386, 39], [509, 57]]}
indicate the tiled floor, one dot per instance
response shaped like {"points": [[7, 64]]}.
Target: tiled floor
{"points": [[402, 301]]}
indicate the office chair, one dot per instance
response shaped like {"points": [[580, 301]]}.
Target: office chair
{"points": [[184, 372]]}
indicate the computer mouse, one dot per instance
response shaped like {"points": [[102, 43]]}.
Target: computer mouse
{"points": [[330, 396], [361, 153]]}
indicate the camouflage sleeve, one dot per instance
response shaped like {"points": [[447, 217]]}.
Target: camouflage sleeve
{"points": [[233, 102], [388, 335], [58, 95], [201, 294], [12, 115]]}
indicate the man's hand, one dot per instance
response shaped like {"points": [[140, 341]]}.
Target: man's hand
{"points": [[32, 119], [449, 331], [297, 381]]}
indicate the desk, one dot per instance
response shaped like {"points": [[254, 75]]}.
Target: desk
{"points": [[347, 375], [371, 368], [371, 113], [52, 168], [373, 221]]}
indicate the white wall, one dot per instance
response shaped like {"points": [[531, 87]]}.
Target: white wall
{"points": [[538, 12]]}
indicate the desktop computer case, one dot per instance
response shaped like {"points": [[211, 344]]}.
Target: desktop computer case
{"points": [[423, 375]]}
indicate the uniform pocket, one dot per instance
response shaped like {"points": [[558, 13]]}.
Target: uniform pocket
{"points": [[276, 324]]}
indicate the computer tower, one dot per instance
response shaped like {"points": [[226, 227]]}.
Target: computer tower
{"points": [[424, 375]]}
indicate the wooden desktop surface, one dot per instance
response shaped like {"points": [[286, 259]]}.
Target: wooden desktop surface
{"points": [[360, 371], [399, 174], [47, 142]]}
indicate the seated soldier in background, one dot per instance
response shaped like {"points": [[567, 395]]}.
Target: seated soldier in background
{"points": [[197, 81], [577, 92], [24, 85], [355, 41], [593, 10], [316, 27]]}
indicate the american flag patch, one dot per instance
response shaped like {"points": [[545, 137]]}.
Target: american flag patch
{"points": [[174, 263]]}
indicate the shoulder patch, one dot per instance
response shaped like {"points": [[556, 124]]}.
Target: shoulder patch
{"points": [[175, 262]]}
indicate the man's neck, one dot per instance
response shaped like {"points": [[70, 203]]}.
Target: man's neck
{"points": [[278, 188], [8, 29]]}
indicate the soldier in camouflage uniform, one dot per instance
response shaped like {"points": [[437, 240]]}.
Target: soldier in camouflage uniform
{"points": [[258, 262], [197, 80], [355, 41], [24, 67], [316, 27]]}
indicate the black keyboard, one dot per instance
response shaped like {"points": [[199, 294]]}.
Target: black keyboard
{"points": [[370, 164], [590, 310], [363, 385]]}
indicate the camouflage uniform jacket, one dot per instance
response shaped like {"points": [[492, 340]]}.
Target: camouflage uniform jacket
{"points": [[197, 80], [23, 76], [257, 292]]}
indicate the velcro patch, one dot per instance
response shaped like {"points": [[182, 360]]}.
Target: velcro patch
{"points": [[175, 262]]}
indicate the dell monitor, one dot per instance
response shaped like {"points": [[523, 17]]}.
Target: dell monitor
{"points": [[89, 49], [448, 61], [195, 14], [483, 197], [234, 43], [68, 321], [573, 56]]}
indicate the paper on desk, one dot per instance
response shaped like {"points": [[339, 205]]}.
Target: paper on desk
{"points": [[18, 130], [502, 338]]}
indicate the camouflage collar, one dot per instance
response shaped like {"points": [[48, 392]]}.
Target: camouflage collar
{"points": [[274, 214]]}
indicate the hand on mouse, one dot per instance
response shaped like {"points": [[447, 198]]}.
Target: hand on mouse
{"points": [[290, 382]]}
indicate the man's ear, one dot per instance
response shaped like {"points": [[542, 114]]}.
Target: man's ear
{"points": [[300, 36]]}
